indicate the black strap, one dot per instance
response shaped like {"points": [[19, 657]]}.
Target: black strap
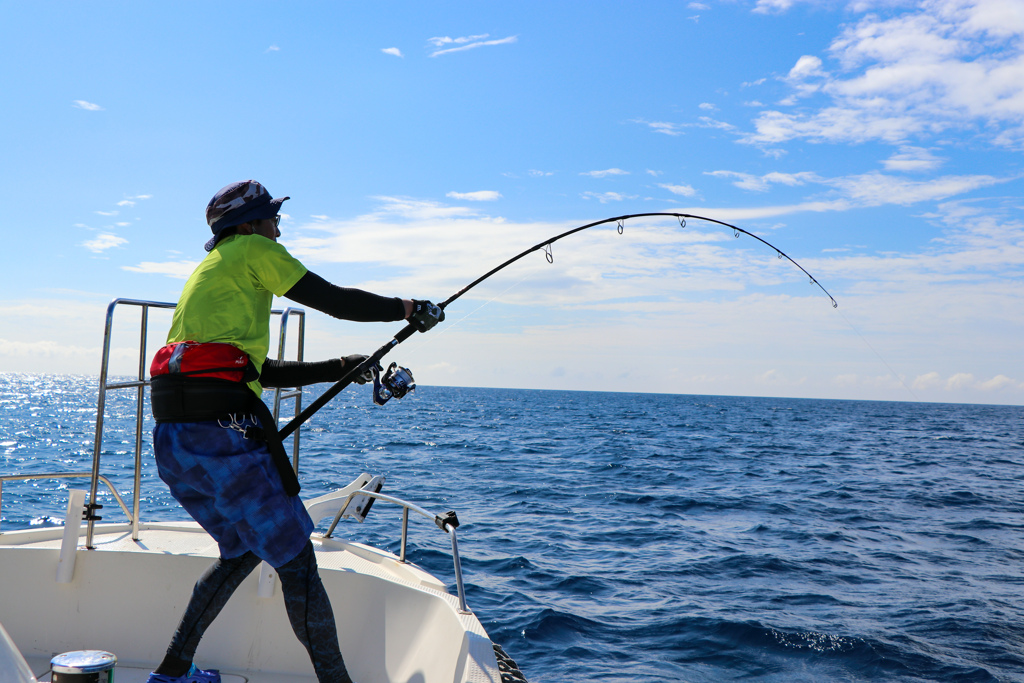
{"points": [[268, 434], [197, 399]]}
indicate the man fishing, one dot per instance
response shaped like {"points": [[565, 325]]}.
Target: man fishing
{"points": [[216, 443]]}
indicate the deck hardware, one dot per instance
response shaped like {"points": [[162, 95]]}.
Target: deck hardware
{"points": [[89, 513], [450, 518]]}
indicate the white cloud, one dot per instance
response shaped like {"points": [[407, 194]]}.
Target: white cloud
{"points": [[772, 6], [131, 201], [539, 174], [699, 6], [1000, 382], [104, 241], [479, 196], [935, 67], [847, 192], [392, 51], [107, 213], [663, 127], [441, 41], [747, 181], [466, 43], [875, 189], [961, 382], [605, 197], [707, 122], [806, 67], [176, 269], [88, 106], [707, 106], [912, 159], [684, 190], [273, 48], [605, 173]]}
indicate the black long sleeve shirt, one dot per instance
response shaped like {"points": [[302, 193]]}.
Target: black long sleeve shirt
{"points": [[346, 303]]}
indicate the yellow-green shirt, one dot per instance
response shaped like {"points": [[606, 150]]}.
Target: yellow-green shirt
{"points": [[228, 296]]}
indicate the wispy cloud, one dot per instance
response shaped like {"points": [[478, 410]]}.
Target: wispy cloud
{"points": [[466, 43], [392, 51], [88, 106], [663, 127], [104, 241], [479, 196], [179, 270], [862, 190], [272, 48], [676, 129], [605, 173], [107, 213], [684, 190], [747, 181], [131, 201], [912, 159], [605, 197], [876, 189], [772, 6]]}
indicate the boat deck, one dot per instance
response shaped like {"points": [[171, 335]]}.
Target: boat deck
{"points": [[126, 596]]}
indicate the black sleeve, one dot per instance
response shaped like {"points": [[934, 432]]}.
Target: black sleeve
{"points": [[290, 373], [344, 302]]}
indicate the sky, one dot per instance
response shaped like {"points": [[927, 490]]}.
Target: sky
{"points": [[878, 144]]}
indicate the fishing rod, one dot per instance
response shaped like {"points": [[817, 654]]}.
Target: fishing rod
{"points": [[397, 381]]}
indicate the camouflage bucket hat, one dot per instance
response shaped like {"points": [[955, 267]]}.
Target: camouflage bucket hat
{"points": [[239, 203]]}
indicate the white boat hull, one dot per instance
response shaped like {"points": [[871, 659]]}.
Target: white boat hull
{"points": [[396, 623]]}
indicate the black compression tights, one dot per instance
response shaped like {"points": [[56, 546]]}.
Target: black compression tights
{"points": [[305, 600]]}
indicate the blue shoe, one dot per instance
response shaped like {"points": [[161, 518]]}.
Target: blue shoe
{"points": [[194, 675]]}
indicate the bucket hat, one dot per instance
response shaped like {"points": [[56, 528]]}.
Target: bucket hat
{"points": [[237, 203]]}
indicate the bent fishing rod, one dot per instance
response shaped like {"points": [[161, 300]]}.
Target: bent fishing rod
{"points": [[397, 384]]}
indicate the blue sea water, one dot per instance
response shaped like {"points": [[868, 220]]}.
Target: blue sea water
{"points": [[638, 537]]}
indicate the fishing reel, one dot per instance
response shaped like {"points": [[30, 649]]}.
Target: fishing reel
{"points": [[396, 382]]}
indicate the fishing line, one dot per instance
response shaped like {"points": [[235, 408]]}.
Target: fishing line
{"points": [[459, 321], [372, 362], [868, 344]]}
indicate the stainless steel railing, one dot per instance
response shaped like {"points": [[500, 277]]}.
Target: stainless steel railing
{"points": [[446, 524], [63, 475], [140, 383]]}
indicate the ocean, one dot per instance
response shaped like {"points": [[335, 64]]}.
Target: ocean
{"points": [[641, 537]]}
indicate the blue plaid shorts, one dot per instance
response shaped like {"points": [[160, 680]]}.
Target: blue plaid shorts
{"points": [[229, 484]]}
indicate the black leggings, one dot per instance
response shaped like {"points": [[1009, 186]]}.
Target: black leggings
{"points": [[305, 600]]}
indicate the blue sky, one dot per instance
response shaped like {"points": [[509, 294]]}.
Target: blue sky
{"points": [[877, 143]]}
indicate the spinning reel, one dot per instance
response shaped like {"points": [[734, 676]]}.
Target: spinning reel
{"points": [[396, 382]]}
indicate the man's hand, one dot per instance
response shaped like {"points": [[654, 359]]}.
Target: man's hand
{"points": [[425, 315], [349, 362]]}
